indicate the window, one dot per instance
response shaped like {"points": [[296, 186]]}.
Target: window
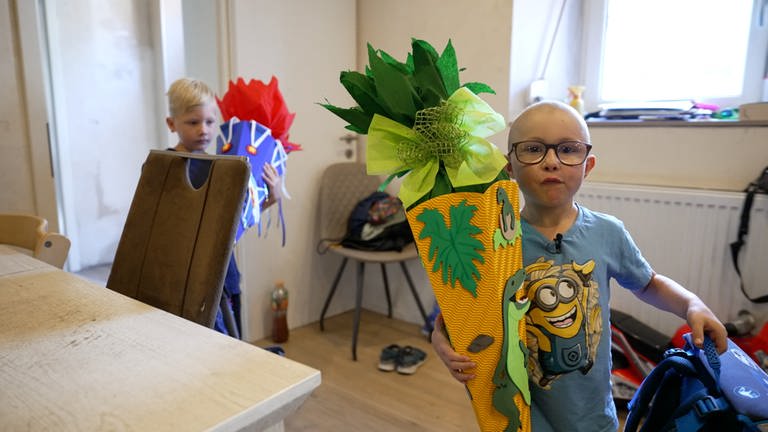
{"points": [[706, 50]]}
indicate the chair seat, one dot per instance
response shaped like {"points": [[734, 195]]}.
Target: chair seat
{"points": [[408, 252]]}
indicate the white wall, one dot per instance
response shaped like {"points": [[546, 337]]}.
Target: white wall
{"points": [[534, 26], [706, 157], [305, 44]]}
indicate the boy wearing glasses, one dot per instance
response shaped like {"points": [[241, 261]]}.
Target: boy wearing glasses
{"points": [[570, 253]]}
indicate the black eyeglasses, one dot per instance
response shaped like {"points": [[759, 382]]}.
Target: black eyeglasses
{"points": [[569, 153]]}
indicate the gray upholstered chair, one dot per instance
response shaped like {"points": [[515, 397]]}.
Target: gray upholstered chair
{"points": [[29, 234], [177, 240], [342, 186]]}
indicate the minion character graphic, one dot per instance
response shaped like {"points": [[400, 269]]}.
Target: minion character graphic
{"points": [[563, 319]]}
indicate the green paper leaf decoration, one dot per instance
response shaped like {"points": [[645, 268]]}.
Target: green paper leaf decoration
{"points": [[363, 91], [426, 74], [442, 186], [397, 90], [449, 69], [478, 88], [454, 249], [404, 68], [425, 46], [357, 119]]}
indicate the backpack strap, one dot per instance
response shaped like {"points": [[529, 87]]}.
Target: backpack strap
{"points": [[653, 384], [686, 406], [736, 246], [704, 395]]}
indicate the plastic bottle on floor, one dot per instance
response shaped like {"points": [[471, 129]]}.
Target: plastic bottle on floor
{"points": [[279, 310]]}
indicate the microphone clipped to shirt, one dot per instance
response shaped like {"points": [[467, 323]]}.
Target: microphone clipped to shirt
{"points": [[558, 243]]}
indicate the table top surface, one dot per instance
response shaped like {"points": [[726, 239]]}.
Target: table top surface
{"points": [[77, 356]]}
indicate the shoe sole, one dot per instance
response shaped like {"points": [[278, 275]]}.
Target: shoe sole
{"points": [[409, 370], [387, 367]]}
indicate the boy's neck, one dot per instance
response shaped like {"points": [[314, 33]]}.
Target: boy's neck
{"points": [[550, 221]]}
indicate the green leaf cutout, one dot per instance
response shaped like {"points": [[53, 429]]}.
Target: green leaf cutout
{"points": [[454, 249], [449, 69], [363, 91], [357, 119], [478, 88]]}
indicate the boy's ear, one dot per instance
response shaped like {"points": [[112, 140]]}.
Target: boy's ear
{"points": [[508, 168], [169, 122], [589, 164]]}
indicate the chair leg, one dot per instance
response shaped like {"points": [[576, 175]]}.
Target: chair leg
{"points": [[358, 307], [229, 318], [333, 291], [386, 290], [415, 294]]}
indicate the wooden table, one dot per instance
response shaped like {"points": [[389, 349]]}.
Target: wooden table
{"points": [[75, 356]]}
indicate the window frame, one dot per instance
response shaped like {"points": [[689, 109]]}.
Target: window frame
{"points": [[756, 70]]}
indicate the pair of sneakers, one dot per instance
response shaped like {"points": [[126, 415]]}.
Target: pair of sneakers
{"points": [[403, 359]]}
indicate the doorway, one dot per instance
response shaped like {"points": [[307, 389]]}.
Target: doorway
{"points": [[105, 101]]}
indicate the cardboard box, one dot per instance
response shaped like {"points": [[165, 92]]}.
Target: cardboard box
{"points": [[754, 111]]}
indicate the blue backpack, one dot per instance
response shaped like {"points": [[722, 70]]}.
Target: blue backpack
{"points": [[694, 389]]}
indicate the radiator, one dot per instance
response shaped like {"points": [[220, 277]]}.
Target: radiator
{"points": [[686, 234]]}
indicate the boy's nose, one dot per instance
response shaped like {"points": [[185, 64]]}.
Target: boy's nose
{"points": [[550, 158]]}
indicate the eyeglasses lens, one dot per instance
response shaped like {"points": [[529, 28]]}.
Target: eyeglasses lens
{"points": [[568, 152]]}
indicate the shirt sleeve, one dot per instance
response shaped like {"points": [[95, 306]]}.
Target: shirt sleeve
{"points": [[633, 271]]}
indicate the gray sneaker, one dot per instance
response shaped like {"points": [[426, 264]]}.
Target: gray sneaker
{"points": [[410, 360]]}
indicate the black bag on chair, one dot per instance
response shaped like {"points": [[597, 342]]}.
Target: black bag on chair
{"points": [[378, 223]]}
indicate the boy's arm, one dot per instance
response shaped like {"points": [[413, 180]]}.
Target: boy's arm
{"points": [[456, 363], [273, 179], [666, 294]]}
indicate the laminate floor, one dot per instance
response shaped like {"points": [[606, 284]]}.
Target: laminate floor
{"points": [[356, 396]]}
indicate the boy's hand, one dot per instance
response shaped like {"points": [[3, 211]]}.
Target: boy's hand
{"points": [[274, 181], [458, 364], [702, 320]]}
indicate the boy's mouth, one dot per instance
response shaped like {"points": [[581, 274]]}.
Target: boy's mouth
{"points": [[552, 180]]}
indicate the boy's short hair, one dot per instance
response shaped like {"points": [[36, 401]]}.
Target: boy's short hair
{"points": [[186, 94]]}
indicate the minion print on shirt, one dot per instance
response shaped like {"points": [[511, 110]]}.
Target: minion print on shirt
{"points": [[563, 321]]}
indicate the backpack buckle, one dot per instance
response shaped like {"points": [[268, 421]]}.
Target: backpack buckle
{"points": [[707, 405]]}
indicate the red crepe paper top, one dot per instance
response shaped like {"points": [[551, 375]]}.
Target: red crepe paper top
{"points": [[262, 103]]}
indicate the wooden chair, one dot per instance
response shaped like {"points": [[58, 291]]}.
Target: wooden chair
{"points": [[177, 240], [29, 234], [342, 186]]}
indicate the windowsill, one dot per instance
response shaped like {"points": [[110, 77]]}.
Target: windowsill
{"points": [[677, 123]]}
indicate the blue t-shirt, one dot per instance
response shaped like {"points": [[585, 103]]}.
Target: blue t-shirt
{"points": [[568, 319]]}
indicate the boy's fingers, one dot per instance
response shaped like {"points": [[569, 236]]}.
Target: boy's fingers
{"points": [[461, 376], [715, 331]]}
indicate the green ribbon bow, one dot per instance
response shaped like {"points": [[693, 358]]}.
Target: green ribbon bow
{"points": [[450, 136]]}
